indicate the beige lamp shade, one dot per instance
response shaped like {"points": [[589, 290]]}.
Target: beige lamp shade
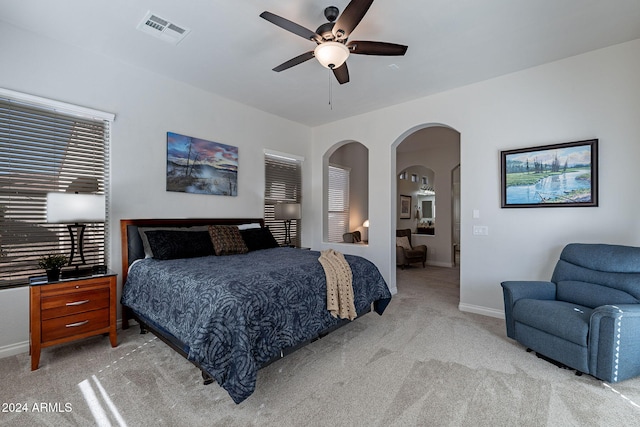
{"points": [[287, 211]]}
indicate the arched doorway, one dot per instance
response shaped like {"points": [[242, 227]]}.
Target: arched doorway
{"points": [[433, 147]]}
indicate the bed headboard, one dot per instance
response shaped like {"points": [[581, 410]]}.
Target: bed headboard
{"points": [[131, 241]]}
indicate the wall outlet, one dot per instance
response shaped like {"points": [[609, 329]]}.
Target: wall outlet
{"points": [[480, 230]]}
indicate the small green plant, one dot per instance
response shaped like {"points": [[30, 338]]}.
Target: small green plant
{"points": [[53, 261]]}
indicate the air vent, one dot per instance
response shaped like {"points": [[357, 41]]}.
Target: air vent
{"points": [[162, 28]]}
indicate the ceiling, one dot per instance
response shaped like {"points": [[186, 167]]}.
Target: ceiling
{"points": [[231, 50]]}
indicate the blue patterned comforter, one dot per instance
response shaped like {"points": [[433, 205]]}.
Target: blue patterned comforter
{"points": [[237, 312]]}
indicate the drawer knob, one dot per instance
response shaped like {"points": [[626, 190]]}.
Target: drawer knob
{"points": [[74, 325], [78, 302]]}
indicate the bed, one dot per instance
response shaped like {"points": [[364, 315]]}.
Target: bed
{"points": [[232, 314]]}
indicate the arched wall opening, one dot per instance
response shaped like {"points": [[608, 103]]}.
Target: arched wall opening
{"points": [[433, 146], [352, 156]]}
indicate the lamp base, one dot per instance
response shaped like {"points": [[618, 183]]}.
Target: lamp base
{"points": [[287, 232]]}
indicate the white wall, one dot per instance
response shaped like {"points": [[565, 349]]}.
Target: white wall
{"points": [[146, 107], [595, 95]]}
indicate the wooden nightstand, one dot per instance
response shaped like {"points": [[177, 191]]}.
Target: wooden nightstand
{"points": [[71, 309]]}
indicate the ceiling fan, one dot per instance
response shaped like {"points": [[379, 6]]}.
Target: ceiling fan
{"points": [[332, 48]]}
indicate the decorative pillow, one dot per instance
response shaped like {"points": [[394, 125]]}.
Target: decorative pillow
{"points": [[227, 240], [171, 244], [404, 242], [148, 253], [258, 238]]}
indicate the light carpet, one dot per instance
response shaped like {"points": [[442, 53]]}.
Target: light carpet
{"points": [[422, 363]]}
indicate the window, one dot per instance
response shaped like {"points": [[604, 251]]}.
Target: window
{"points": [[283, 183], [338, 202], [45, 147]]}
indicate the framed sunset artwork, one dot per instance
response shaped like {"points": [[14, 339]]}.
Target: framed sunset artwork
{"points": [[199, 166]]}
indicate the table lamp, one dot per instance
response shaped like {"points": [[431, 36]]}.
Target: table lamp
{"points": [[287, 212], [75, 210]]}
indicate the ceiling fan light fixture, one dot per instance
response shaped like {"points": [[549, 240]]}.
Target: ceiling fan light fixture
{"points": [[331, 54]]}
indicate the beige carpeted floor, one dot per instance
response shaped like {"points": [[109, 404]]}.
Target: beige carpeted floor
{"points": [[422, 363]]}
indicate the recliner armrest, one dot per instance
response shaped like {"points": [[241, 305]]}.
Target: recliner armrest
{"points": [[614, 342], [534, 289], [515, 290]]}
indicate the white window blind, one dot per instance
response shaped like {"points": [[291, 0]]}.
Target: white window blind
{"points": [[283, 183], [338, 202], [44, 150]]}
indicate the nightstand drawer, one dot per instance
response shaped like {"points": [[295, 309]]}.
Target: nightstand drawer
{"points": [[75, 324], [74, 286], [77, 302]]}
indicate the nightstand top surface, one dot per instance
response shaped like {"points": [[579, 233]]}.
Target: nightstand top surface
{"points": [[68, 277]]}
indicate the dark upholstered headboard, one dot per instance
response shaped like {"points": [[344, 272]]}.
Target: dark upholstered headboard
{"points": [[132, 248]]}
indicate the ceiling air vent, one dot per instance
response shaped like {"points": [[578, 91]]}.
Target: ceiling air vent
{"points": [[162, 28]]}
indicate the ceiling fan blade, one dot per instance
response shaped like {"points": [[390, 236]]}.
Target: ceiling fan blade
{"points": [[350, 18], [294, 61], [342, 73], [376, 48], [289, 26]]}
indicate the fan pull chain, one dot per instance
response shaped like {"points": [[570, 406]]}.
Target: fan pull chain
{"points": [[330, 90]]}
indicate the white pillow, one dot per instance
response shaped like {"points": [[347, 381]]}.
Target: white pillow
{"points": [[248, 226], [403, 241]]}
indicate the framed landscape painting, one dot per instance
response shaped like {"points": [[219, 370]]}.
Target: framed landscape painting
{"points": [[559, 175], [199, 166]]}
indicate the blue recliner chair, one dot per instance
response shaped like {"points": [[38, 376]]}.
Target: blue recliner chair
{"points": [[588, 316]]}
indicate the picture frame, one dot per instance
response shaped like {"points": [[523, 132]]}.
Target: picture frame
{"points": [[556, 175], [199, 166], [405, 207]]}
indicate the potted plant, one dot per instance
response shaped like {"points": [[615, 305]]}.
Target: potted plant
{"points": [[52, 263]]}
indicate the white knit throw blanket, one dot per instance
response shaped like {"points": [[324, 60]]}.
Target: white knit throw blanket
{"points": [[339, 284]]}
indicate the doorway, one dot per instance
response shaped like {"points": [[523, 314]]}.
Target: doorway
{"points": [[436, 148]]}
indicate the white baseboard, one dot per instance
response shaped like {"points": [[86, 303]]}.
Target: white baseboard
{"points": [[477, 309], [440, 264], [23, 347], [13, 349]]}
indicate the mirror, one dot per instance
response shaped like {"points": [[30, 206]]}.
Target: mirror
{"points": [[418, 181], [427, 209]]}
